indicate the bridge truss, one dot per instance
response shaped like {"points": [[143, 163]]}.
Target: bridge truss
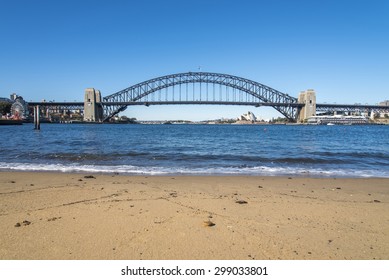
{"points": [[59, 106], [333, 108], [201, 88]]}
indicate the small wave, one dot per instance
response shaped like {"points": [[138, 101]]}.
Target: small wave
{"points": [[242, 170], [355, 154]]}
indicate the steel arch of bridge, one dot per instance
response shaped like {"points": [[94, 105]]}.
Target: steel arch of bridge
{"points": [[261, 94]]}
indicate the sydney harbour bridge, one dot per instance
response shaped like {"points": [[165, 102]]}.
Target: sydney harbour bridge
{"points": [[200, 88]]}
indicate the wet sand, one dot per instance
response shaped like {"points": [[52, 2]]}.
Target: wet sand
{"points": [[81, 216]]}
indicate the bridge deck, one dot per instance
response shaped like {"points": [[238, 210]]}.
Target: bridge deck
{"points": [[319, 106]]}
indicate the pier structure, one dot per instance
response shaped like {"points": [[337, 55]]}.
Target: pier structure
{"points": [[37, 113]]}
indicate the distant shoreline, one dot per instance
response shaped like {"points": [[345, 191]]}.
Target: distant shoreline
{"points": [[196, 123]]}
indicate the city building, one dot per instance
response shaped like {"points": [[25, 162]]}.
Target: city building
{"points": [[384, 103], [5, 100]]}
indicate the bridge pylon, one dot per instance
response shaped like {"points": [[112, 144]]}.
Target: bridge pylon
{"points": [[93, 111], [308, 98]]}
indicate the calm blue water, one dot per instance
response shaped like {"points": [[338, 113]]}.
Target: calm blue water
{"points": [[352, 151]]}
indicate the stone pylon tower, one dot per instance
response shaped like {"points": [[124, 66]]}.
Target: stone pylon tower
{"points": [[308, 98], [93, 111]]}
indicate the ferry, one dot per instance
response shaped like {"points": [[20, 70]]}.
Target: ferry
{"points": [[337, 119]]}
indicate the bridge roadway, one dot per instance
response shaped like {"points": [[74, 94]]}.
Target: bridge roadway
{"points": [[320, 107], [59, 105]]}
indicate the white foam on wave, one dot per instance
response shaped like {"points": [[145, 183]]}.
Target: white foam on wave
{"points": [[138, 170]]}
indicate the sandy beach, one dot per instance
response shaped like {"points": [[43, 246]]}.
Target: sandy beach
{"points": [[83, 216]]}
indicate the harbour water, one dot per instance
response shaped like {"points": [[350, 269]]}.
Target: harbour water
{"points": [[317, 151]]}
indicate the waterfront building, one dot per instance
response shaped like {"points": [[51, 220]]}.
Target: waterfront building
{"points": [[248, 117]]}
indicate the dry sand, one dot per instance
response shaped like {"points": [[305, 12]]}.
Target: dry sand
{"points": [[70, 216]]}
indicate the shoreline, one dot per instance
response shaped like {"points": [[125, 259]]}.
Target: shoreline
{"points": [[104, 172], [55, 215], [114, 173]]}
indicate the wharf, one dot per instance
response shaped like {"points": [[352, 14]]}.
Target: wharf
{"points": [[10, 122]]}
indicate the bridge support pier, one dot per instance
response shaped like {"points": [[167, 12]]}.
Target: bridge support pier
{"points": [[308, 98], [37, 124]]}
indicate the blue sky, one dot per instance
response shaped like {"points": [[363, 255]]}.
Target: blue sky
{"points": [[53, 50]]}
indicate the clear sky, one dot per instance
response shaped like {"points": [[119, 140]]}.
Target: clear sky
{"points": [[53, 50]]}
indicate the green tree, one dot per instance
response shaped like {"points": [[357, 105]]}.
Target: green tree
{"points": [[5, 108]]}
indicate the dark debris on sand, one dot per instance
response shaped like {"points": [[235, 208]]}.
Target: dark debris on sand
{"points": [[241, 201], [24, 223]]}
